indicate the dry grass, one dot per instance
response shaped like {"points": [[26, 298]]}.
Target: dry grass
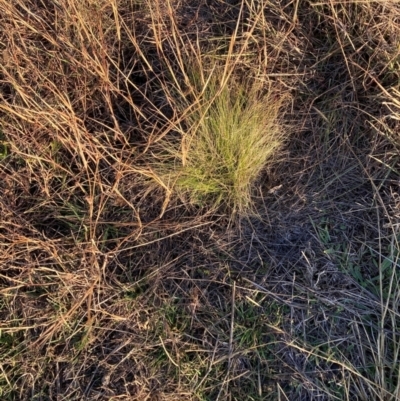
{"points": [[124, 125]]}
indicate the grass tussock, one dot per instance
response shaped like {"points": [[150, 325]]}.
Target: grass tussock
{"points": [[172, 227], [232, 131]]}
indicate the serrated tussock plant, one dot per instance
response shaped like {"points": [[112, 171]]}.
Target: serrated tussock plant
{"points": [[232, 130]]}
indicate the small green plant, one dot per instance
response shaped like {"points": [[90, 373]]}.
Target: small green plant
{"points": [[4, 151], [232, 131]]}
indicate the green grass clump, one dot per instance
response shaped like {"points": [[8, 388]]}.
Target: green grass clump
{"points": [[233, 132]]}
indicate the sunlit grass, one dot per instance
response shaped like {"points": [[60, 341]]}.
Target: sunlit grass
{"points": [[233, 131]]}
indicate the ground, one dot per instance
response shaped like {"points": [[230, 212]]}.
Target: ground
{"points": [[121, 281]]}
